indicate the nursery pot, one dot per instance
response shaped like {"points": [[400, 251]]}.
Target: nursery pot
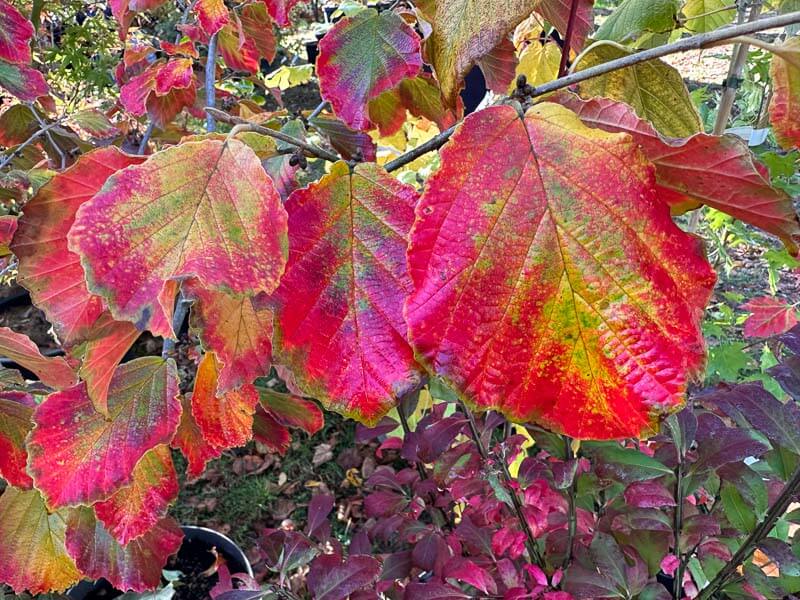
{"points": [[197, 543]]}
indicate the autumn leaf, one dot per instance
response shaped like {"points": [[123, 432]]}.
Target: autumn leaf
{"points": [[190, 441], [212, 15], [33, 556], [53, 371], [633, 18], [653, 88], [573, 300], [344, 140], [163, 90], [292, 411], [15, 35], [222, 223], [769, 316], [47, 268], [258, 27], [464, 31], [539, 63], [78, 456], [136, 566], [784, 108], [719, 171], [338, 320], [16, 412], [237, 50], [25, 83], [134, 510], [224, 418], [557, 12], [279, 10], [8, 227], [267, 431], [363, 56], [499, 66]]}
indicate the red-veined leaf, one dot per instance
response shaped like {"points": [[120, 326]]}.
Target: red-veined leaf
{"points": [[136, 566], [25, 83], [556, 12], [53, 371], [15, 35], [292, 411], [16, 420], [257, 26], [770, 316], [573, 299], [212, 14], [363, 56], [47, 268], [136, 509], [224, 418], [33, 556], [269, 432], [223, 223], [8, 226], [279, 10], [190, 441], [237, 330], [784, 108], [719, 171], [464, 31], [338, 321], [78, 456], [238, 51]]}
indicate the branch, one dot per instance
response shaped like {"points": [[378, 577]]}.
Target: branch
{"points": [[565, 49], [245, 125], [725, 35], [146, 138], [758, 534], [44, 130]]}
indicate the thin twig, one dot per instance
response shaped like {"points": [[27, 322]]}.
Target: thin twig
{"points": [[432, 144], [28, 142], [566, 48], [677, 527], [531, 545], [146, 137], [211, 73], [46, 130], [759, 533], [320, 107], [244, 125], [181, 310]]}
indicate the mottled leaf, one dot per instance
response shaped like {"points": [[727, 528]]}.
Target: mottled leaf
{"points": [[136, 566], [561, 240], [363, 56], [78, 456], [162, 90], [338, 319], [134, 510], [769, 316], [632, 18], [32, 555], [16, 420], [781, 554], [223, 223], [47, 268], [292, 411], [269, 432], [17, 124], [653, 88], [224, 418], [25, 83], [237, 330], [423, 98], [94, 123], [190, 441], [784, 108], [8, 226], [331, 579], [53, 371], [212, 14], [344, 140], [15, 35], [648, 494], [719, 171], [539, 63]]}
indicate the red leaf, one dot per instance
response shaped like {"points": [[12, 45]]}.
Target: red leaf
{"points": [[47, 268], [734, 180], [499, 67], [784, 108], [258, 27], [648, 494], [222, 223], [559, 238], [136, 566], [269, 432], [238, 51], [331, 579], [363, 56], [338, 321], [54, 371], [557, 12], [344, 140], [462, 569], [162, 90], [136, 509], [292, 411], [78, 456], [279, 10], [32, 555], [212, 14], [237, 330], [8, 225], [25, 83], [190, 441], [770, 316], [16, 412], [225, 419], [15, 35]]}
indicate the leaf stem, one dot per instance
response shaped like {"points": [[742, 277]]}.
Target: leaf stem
{"points": [[565, 49], [677, 527], [244, 125], [759, 533], [572, 515], [531, 545]]}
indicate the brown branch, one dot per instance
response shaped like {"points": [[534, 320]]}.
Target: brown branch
{"points": [[432, 144], [245, 125]]}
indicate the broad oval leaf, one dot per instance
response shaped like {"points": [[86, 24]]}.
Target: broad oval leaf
{"points": [[338, 311], [653, 88], [16, 420], [784, 108], [136, 509], [225, 419], [33, 556], [25, 83], [53, 371], [707, 15], [15, 35], [78, 456], [47, 268], [136, 566], [557, 13], [573, 299], [363, 56], [719, 171], [331, 579], [462, 31], [769, 316], [632, 18], [200, 209]]}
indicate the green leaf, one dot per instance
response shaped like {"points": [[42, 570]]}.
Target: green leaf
{"points": [[632, 18], [739, 514], [625, 464], [707, 15]]}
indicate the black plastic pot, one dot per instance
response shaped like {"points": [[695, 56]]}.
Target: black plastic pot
{"points": [[312, 49], [196, 539]]}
